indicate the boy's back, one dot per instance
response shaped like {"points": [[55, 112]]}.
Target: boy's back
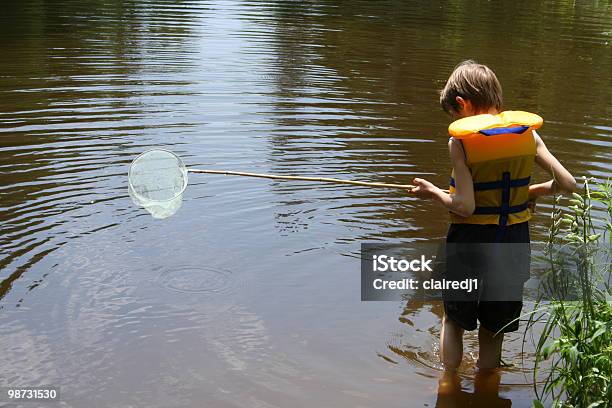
{"points": [[490, 201]]}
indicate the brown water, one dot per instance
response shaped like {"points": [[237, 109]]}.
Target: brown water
{"points": [[249, 296]]}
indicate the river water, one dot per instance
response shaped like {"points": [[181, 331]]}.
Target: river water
{"points": [[249, 295]]}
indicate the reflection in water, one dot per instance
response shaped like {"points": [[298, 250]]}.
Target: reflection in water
{"points": [[485, 393], [248, 277]]}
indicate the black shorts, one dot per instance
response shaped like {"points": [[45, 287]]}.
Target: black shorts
{"points": [[494, 315]]}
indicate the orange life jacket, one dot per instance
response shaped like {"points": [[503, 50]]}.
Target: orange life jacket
{"points": [[500, 151]]}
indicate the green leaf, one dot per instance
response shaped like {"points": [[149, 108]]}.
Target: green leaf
{"points": [[577, 327], [598, 333], [574, 354], [537, 404], [550, 348], [594, 237]]}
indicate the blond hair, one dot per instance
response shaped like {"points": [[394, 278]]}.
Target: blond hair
{"points": [[474, 82]]}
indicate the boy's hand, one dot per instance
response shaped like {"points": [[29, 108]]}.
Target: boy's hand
{"points": [[531, 204], [536, 191], [539, 190], [424, 189]]}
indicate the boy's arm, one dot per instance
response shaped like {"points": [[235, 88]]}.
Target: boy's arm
{"points": [[461, 202], [562, 180]]}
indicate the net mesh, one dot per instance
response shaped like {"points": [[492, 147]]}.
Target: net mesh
{"points": [[157, 180]]}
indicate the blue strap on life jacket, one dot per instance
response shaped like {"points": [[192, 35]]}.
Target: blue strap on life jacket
{"points": [[497, 210], [494, 185], [505, 184], [504, 130]]}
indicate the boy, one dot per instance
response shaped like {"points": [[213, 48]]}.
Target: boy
{"points": [[490, 199]]}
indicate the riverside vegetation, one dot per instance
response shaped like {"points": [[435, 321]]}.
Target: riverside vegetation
{"points": [[574, 349]]}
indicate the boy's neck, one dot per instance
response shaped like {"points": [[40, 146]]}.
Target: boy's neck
{"points": [[490, 111]]}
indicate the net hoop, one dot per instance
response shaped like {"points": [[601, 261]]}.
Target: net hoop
{"points": [[180, 165]]}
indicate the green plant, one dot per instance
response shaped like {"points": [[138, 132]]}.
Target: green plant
{"points": [[576, 339]]}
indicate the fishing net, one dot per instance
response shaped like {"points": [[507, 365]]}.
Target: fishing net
{"points": [[157, 180]]}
